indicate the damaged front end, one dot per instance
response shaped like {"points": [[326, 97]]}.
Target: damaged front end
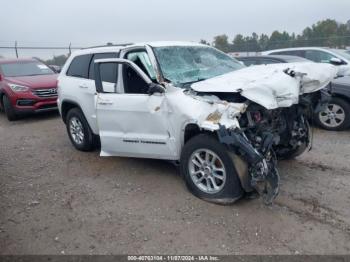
{"points": [[260, 138], [264, 177], [272, 124]]}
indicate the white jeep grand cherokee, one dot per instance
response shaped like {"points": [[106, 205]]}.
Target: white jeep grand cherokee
{"points": [[224, 124]]}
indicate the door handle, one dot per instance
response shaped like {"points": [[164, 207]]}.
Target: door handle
{"points": [[83, 86], [105, 102]]}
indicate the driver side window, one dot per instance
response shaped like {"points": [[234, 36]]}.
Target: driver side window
{"points": [[133, 83]]}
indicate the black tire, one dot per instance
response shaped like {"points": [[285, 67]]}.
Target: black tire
{"points": [[1, 103], [292, 153], [345, 107], [286, 154], [231, 188], [8, 108], [88, 142]]}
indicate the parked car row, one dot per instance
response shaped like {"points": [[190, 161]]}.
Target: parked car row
{"points": [[226, 125]]}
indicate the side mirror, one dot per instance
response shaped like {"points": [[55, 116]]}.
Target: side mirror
{"points": [[155, 88], [336, 61]]}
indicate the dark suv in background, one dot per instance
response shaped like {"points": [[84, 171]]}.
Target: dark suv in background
{"points": [[26, 86]]}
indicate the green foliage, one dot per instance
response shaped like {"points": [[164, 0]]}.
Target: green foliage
{"points": [[221, 43], [57, 60], [327, 32]]}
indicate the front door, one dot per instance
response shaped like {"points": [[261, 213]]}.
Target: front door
{"points": [[134, 123]]}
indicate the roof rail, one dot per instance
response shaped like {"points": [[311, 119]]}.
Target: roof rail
{"points": [[125, 44]]}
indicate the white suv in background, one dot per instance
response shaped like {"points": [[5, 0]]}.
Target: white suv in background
{"points": [[225, 125], [337, 57]]}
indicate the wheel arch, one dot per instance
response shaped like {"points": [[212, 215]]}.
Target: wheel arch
{"points": [[342, 96], [192, 129], [66, 106]]}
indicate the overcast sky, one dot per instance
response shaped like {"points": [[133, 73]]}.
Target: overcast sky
{"points": [[88, 22]]}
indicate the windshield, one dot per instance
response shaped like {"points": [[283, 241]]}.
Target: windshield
{"points": [[342, 52], [189, 64], [25, 68]]}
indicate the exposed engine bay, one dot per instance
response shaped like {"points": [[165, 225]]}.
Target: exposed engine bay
{"points": [[267, 135]]}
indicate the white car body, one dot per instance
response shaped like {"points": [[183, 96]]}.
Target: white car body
{"points": [[154, 126], [341, 54], [156, 123]]}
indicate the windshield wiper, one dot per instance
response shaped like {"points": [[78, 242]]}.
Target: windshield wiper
{"points": [[192, 82]]}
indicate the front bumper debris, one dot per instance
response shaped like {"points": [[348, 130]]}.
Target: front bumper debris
{"points": [[264, 177]]}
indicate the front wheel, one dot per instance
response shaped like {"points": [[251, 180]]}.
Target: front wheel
{"points": [[8, 108], [336, 116], [209, 171]]}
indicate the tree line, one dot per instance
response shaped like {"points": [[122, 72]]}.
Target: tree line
{"points": [[327, 33]]}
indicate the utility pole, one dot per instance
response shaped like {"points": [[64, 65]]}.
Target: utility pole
{"points": [[16, 49]]}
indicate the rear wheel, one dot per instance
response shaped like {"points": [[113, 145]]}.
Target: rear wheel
{"points": [[209, 171], [79, 131], [336, 116], [8, 108]]}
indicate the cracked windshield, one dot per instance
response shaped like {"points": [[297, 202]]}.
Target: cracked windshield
{"points": [[188, 64]]}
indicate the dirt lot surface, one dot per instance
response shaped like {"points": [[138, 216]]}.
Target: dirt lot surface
{"points": [[57, 200]]}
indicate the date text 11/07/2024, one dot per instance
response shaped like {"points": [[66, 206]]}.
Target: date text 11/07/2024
{"points": [[173, 258]]}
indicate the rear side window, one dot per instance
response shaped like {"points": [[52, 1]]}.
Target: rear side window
{"points": [[79, 67], [108, 70]]}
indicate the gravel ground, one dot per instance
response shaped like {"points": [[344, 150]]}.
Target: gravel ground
{"points": [[57, 200]]}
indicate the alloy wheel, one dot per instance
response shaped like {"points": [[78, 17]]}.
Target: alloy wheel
{"points": [[332, 116], [76, 130], [207, 171]]}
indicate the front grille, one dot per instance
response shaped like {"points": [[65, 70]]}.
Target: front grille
{"points": [[50, 92]]}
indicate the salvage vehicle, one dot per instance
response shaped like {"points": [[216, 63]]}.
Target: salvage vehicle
{"points": [[335, 116], [224, 124], [26, 86]]}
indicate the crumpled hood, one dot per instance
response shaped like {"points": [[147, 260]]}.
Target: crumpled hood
{"points": [[269, 85]]}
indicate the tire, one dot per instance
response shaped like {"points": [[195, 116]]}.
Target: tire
{"points": [[8, 108], [1, 103], [336, 117], [292, 153], [228, 187], [286, 154], [79, 131]]}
